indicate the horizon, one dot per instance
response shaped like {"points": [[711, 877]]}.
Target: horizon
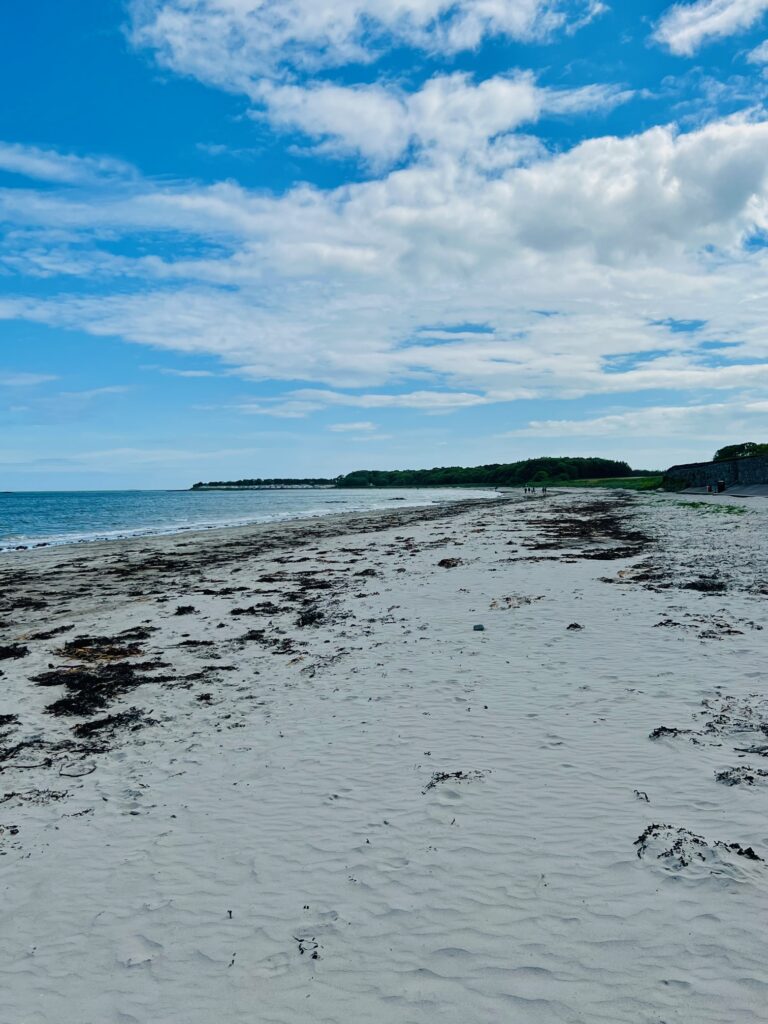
{"points": [[240, 240], [297, 480]]}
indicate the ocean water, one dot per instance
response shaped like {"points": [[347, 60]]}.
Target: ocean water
{"points": [[29, 519]]}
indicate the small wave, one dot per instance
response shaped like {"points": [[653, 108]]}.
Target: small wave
{"points": [[21, 541]]}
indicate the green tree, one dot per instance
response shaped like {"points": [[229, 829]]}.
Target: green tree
{"points": [[740, 451]]}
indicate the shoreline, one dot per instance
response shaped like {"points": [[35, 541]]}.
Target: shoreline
{"points": [[279, 766], [352, 521], [198, 531], [263, 519]]}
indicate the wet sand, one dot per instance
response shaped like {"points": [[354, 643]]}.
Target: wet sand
{"points": [[277, 774]]}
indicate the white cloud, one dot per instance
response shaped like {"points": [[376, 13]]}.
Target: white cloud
{"points": [[62, 168], [684, 28], [109, 458], [167, 456], [760, 54], [286, 410], [428, 400], [229, 43], [89, 393], [449, 114], [711, 421], [337, 288], [24, 380], [345, 428], [264, 49], [188, 373]]}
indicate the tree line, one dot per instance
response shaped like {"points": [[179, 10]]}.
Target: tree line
{"points": [[282, 481], [509, 474], [546, 470], [740, 451]]}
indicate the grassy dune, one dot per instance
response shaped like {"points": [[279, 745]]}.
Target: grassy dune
{"points": [[629, 483]]}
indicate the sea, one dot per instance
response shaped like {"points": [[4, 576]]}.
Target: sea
{"points": [[38, 518]]}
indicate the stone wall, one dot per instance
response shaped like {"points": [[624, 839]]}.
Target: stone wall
{"points": [[732, 472]]}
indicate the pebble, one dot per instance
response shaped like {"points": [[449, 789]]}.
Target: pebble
{"points": [[479, 629]]}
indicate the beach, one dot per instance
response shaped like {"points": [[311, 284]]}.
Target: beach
{"points": [[501, 760]]}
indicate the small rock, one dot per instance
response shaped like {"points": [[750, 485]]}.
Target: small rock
{"points": [[575, 625], [479, 629]]}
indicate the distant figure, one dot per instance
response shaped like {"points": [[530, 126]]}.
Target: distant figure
{"points": [[709, 488]]}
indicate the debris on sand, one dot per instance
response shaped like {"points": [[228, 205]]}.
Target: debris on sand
{"points": [[663, 732], [106, 648], [726, 715], [312, 615], [132, 719], [49, 634], [742, 775], [604, 524], [265, 608], [460, 776], [92, 689], [28, 604], [513, 601], [13, 651], [449, 563], [679, 848], [706, 585], [185, 609]]}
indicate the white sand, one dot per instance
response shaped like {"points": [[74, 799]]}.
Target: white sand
{"points": [[296, 800]]}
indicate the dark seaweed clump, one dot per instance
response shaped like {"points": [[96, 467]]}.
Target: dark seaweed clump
{"points": [[107, 648], [132, 719], [13, 651], [92, 689]]}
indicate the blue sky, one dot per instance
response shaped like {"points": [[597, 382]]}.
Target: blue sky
{"points": [[256, 237]]}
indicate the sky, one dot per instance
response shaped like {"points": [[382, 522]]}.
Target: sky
{"points": [[300, 237]]}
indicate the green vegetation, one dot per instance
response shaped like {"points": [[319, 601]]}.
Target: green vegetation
{"points": [[629, 483], [582, 472], [271, 482], [544, 471], [740, 451], [674, 483], [711, 508]]}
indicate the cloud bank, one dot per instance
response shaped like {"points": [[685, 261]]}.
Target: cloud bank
{"points": [[471, 265], [685, 28]]}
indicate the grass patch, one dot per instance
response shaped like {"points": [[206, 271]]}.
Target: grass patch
{"points": [[627, 483], [710, 508]]}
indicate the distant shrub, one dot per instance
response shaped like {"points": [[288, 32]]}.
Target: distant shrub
{"points": [[740, 451]]}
